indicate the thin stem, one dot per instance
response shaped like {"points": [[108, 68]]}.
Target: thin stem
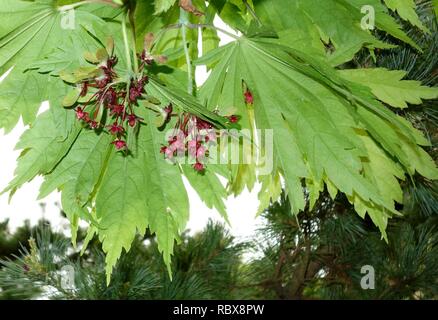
{"points": [[192, 26], [126, 101], [164, 30], [134, 50], [108, 86], [203, 25], [126, 43], [80, 3], [251, 11], [184, 20], [299, 226], [73, 5], [135, 61]]}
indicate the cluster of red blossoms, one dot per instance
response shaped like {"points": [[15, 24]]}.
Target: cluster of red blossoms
{"points": [[114, 102], [118, 103], [191, 137]]}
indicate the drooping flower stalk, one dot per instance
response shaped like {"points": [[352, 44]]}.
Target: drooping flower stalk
{"points": [[115, 100]]}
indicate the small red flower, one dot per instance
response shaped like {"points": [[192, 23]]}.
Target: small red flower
{"points": [[172, 139], [93, 124], [178, 145], [142, 82], [80, 114], [168, 109], [211, 136], [86, 117], [134, 94], [200, 153], [198, 166], [119, 144], [117, 110], [249, 99], [115, 128], [191, 147], [146, 57], [233, 118], [110, 97], [137, 88], [102, 81], [169, 153], [203, 125], [111, 62], [132, 120]]}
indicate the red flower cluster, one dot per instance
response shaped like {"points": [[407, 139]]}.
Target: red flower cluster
{"points": [[115, 102], [114, 98], [192, 137]]}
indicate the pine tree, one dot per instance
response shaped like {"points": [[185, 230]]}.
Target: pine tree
{"points": [[322, 255], [206, 266]]}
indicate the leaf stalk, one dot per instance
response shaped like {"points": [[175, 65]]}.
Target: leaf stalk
{"points": [[184, 23]]}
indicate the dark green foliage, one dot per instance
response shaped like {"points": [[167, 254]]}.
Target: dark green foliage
{"points": [[325, 258], [11, 243], [206, 266]]}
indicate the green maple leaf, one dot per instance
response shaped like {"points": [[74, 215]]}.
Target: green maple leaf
{"points": [[29, 32], [406, 10], [78, 174], [316, 116], [43, 145], [121, 205], [163, 5], [166, 198], [226, 72], [308, 24], [270, 190], [81, 167], [209, 188], [126, 194], [383, 172], [388, 86]]}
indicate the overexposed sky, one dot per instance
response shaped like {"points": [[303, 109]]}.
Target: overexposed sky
{"points": [[241, 210]]}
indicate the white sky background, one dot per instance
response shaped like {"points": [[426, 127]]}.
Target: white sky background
{"points": [[241, 210]]}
